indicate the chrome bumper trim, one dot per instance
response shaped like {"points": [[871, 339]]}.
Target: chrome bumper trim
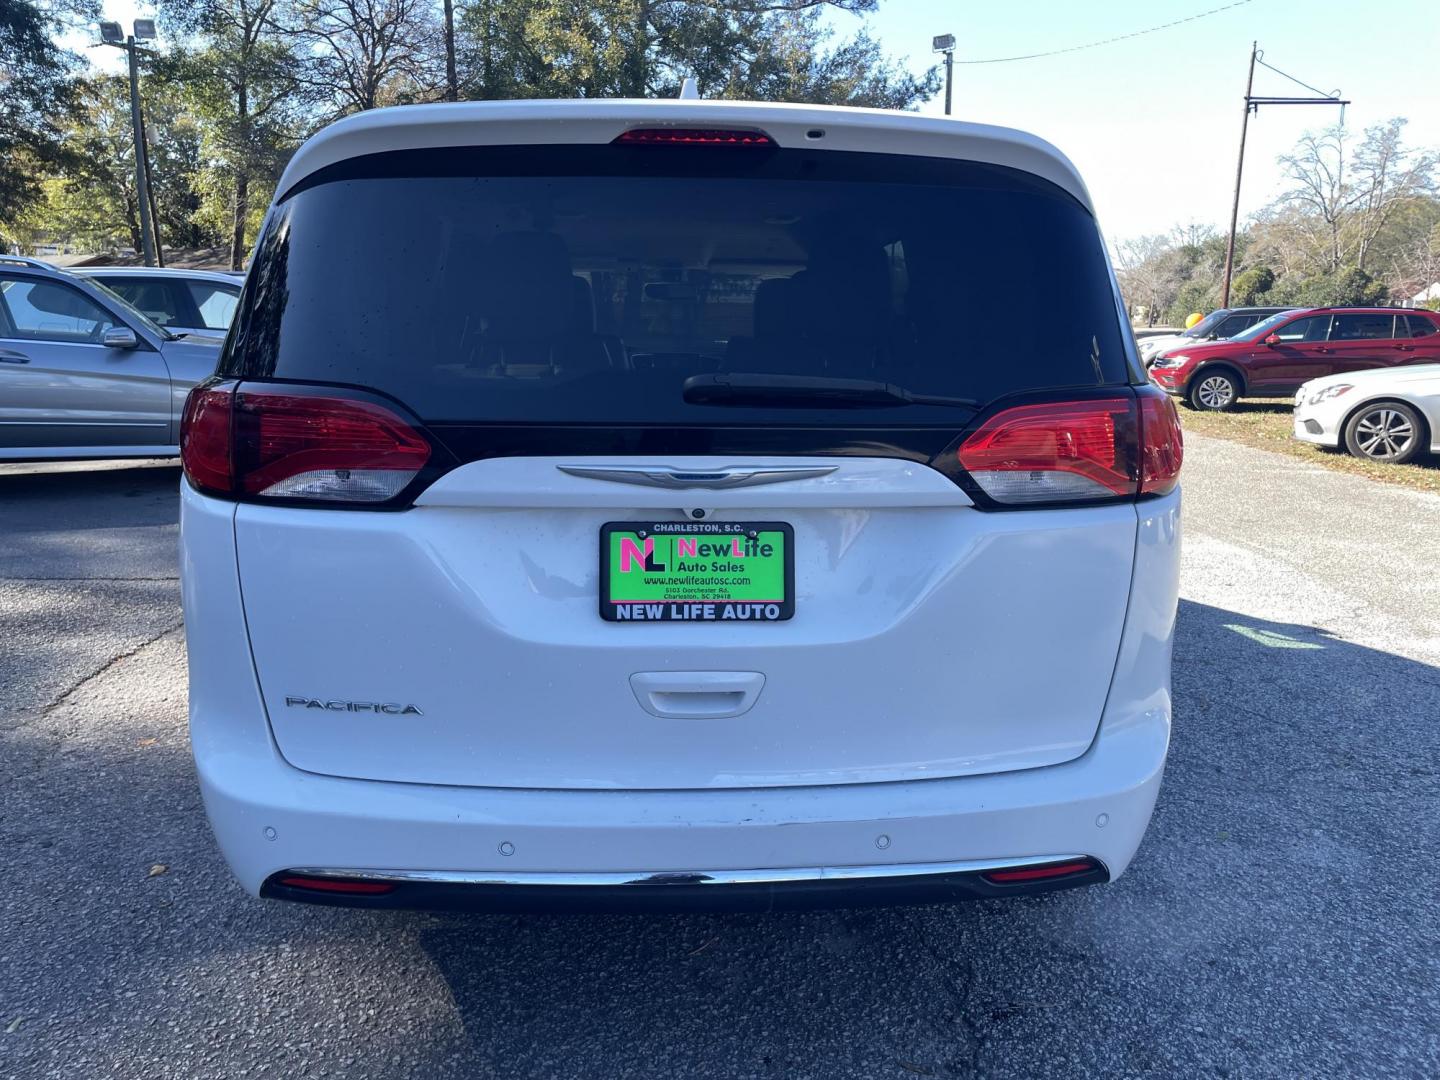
{"points": [[680, 877]]}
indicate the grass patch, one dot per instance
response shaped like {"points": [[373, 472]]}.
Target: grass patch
{"points": [[1267, 425]]}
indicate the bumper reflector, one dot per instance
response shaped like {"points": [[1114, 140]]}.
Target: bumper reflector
{"points": [[339, 885], [1019, 874]]}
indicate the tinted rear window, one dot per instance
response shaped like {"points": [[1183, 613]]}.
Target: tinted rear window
{"points": [[585, 284]]}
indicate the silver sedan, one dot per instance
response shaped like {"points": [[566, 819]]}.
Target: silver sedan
{"points": [[85, 375]]}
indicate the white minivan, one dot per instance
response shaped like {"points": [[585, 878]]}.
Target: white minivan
{"points": [[671, 504]]}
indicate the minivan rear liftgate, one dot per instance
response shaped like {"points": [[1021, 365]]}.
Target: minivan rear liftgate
{"points": [[697, 463], [459, 641]]}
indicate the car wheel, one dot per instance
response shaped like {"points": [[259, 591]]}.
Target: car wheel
{"points": [[1384, 431], [1213, 391]]}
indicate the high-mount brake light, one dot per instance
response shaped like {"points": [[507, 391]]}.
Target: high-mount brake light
{"points": [[692, 137], [294, 443]]}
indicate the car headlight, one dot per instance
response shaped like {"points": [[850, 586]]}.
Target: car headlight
{"points": [[1329, 392], [1171, 361]]}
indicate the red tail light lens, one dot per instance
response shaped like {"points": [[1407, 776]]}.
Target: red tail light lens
{"points": [[288, 443], [1162, 444], [312, 447], [692, 137], [205, 437], [1039, 873], [340, 885], [1069, 451]]}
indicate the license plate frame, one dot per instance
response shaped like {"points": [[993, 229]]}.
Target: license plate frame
{"points": [[710, 604]]}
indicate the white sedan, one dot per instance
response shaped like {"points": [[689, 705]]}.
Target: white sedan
{"points": [[1388, 414]]}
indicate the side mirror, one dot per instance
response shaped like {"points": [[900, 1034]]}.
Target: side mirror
{"points": [[120, 337], [1273, 339]]}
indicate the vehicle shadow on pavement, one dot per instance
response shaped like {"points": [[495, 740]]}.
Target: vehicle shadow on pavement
{"points": [[1263, 924], [1279, 920], [105, 524], [90, 498]]}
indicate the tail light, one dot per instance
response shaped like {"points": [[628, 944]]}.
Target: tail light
{"points": [[1162, 444], [1071, 451], [298, 443], [692, 137], [1091, 450]]}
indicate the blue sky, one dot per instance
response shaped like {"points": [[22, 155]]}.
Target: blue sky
{"points": [[1153, 122]]}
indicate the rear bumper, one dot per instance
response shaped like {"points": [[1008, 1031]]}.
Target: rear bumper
{"points": [[269, 817], [795, 889]]}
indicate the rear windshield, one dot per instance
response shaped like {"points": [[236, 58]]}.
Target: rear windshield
{"points": [[585, 284]]}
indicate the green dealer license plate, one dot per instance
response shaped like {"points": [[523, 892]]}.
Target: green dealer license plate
{"points": [[680, 571]]}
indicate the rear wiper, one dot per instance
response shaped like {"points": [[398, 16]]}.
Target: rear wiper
{"points": [[807, 392]]}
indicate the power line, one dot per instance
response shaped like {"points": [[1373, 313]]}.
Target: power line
{"points": [[1109, 40]]}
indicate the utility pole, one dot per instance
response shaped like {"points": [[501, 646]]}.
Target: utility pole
{"points": [[945, 43], [1239, 169], [110, 34], [452, 86], [1252, 104]]}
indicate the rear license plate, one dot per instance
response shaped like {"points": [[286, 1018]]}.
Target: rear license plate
{"points": [[680, 571]]}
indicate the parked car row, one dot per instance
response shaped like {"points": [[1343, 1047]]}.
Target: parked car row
{"points": [[1217, 326], [182, 301], [84, 373], [1367, 379]]}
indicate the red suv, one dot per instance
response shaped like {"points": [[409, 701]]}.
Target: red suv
{"points": [[1274, 357]]}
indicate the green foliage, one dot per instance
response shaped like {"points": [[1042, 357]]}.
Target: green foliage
{"points": [[1348, 285], [1250, 288], [38, 95], [1195, 295], [772, 51], [243, 86], [93, 204], [248, 80]]}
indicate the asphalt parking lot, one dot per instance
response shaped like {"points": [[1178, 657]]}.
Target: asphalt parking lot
{"points": [[1281, 919]]}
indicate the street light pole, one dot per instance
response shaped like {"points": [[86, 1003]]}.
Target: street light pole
{"points": [[142, 178], [1252, 104], [110, 34], [945, 43]]}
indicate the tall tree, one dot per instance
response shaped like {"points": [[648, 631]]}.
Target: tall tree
{"points": [[244, 82], [778, 50], [1149, 277], [362, 54], [94, 203], [96, 200], [38, 95], [1345, 195]]}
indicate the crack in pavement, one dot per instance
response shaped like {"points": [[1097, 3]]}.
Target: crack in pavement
{"points": [[103, 668]]}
